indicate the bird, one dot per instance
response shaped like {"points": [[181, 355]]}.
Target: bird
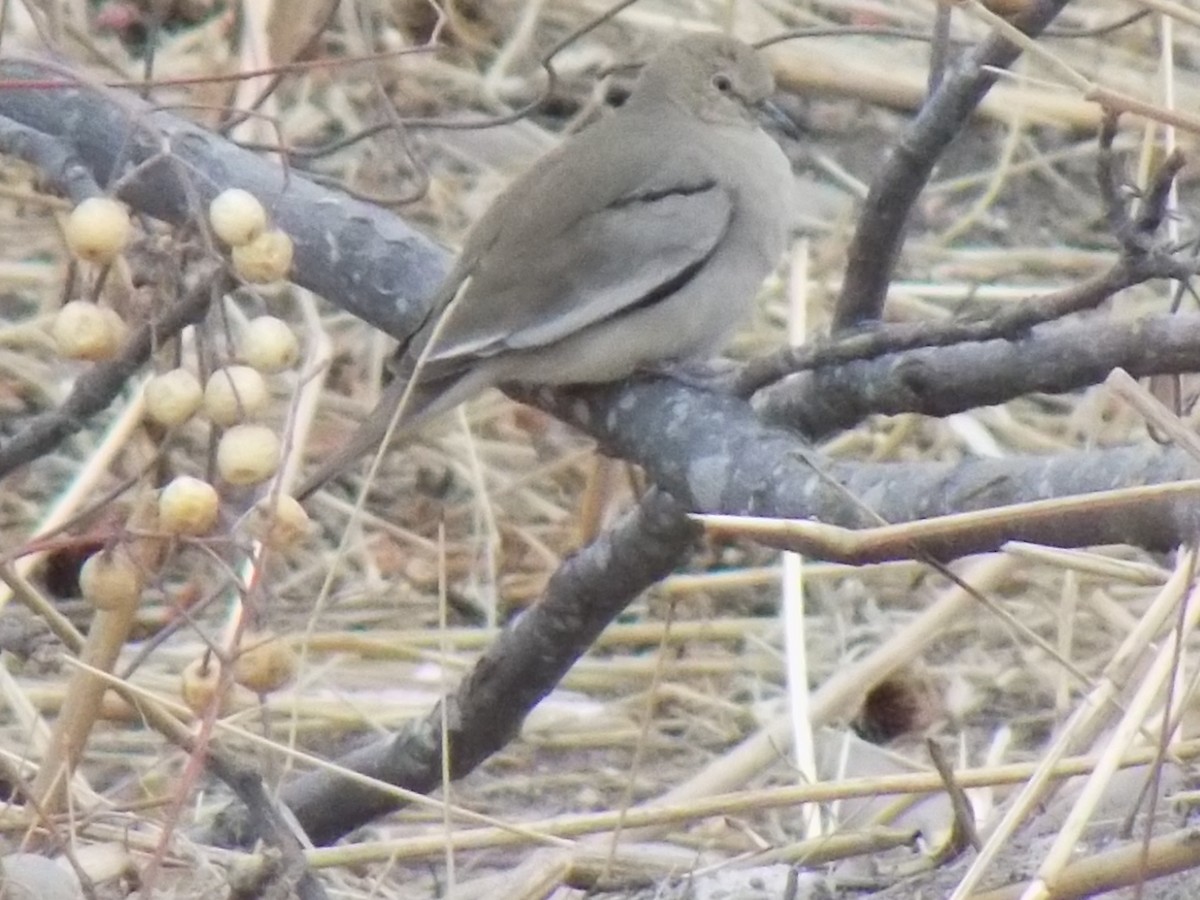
{"points": [[636, 244]]}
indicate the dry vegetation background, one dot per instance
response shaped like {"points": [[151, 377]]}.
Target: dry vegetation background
{"points": [[1060, 657]]}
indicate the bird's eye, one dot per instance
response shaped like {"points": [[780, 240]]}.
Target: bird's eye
{"points": [[722, 83]]}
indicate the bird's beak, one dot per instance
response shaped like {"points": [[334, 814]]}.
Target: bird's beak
{"points": [[770, 112]]}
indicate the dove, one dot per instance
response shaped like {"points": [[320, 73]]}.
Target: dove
{"points": [[637, 244]]}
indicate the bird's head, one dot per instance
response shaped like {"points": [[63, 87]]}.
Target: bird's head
{"points": [[713, 76]]}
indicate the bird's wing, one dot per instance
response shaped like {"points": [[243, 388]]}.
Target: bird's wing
{"points": [[550, 259]]}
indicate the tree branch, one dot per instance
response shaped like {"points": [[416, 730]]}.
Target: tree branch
{"points": [[741, 466], [516, 671], [876, 243], [941, 381], [359, 256]]}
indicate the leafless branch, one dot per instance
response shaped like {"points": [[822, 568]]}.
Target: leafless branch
{"points": [[876, 243]]}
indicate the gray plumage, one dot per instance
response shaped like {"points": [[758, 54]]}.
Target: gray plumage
{"points": [[639, 242]]}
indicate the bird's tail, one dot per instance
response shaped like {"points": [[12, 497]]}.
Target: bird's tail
{"points": [[418, 392], [399, 411]]}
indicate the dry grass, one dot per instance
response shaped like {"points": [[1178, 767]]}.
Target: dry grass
{"points": [[661, 755]]}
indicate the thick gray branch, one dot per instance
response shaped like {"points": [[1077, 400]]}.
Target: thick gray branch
{"points": [[515, 672], [359, 256], [714, 455], [940, 381]]}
